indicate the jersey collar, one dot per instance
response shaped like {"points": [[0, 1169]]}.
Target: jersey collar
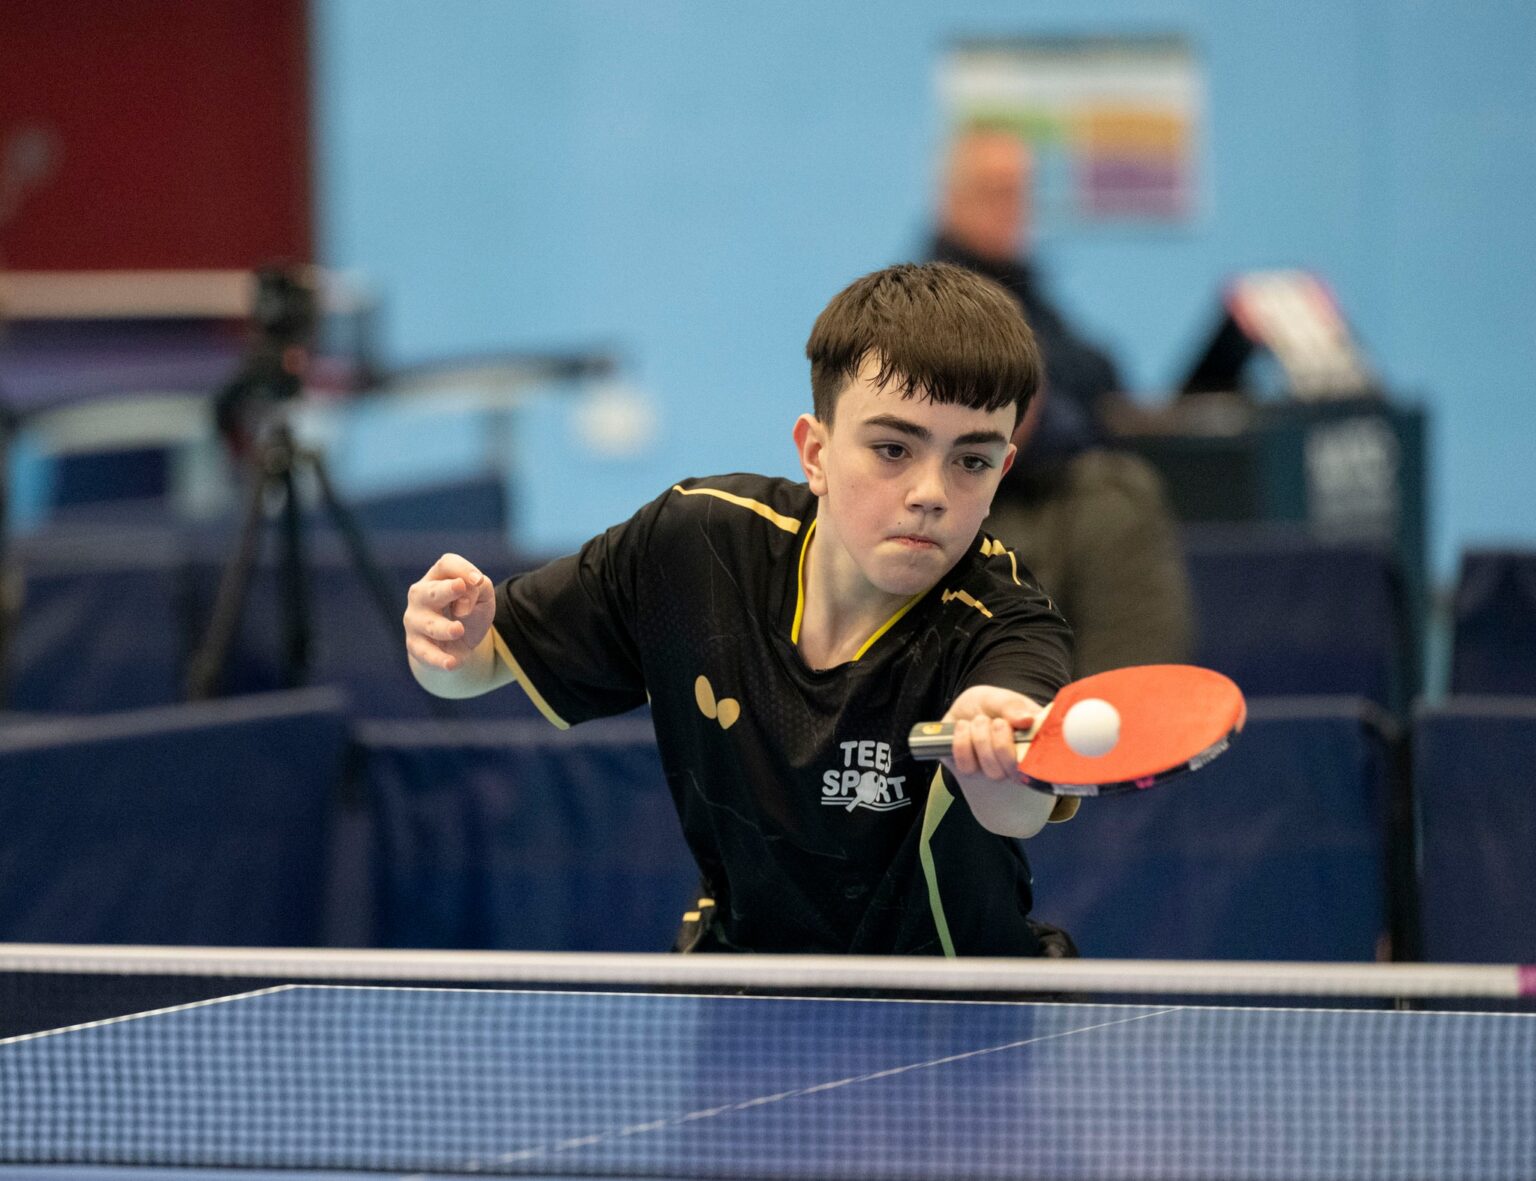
{"points": [[794, 629]]}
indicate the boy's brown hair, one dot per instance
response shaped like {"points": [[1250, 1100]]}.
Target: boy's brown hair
{"points": [[937, 331]]}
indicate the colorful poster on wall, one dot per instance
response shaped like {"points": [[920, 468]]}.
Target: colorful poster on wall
{"points": [[1115, 122]]}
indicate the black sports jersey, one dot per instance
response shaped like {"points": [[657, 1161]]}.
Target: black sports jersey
{"points": [[695, 603]]}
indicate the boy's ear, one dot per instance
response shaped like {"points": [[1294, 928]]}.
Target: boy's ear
{"points": [[1013, 453], [811, 442]]}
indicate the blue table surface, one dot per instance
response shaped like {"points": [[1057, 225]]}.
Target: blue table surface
{"points": [[460, 1082]]}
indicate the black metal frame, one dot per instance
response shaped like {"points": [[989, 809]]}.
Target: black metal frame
{"points": [[276, 461]]}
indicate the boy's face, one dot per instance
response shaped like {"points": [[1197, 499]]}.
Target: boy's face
{"points": [[904, 483]]}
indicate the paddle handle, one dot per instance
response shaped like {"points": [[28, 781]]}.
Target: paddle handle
{"points": [[934, 740]]}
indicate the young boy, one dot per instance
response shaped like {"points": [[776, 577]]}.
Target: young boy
{"points": [[788, 636]]}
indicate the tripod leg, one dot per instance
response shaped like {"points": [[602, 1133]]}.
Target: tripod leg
{"points": [[295, 588], [207, 664], [386, 600]]}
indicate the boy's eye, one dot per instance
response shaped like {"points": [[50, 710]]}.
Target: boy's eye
{"points": [[975, 463], [890, 450]]}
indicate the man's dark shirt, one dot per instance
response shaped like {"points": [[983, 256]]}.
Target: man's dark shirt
{"points": [[1077, 374]]}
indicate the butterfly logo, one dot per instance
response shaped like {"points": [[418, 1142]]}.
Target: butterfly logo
{"points": [[725, 711]]}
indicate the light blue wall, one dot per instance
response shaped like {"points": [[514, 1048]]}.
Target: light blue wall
{"points": [[691, 182]]}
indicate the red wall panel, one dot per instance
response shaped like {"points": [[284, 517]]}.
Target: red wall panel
{"points": [[176, 132]]}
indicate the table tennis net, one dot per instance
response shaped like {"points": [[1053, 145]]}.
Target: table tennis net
{"points": [[761, 1067]]}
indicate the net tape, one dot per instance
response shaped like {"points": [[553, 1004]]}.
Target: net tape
{"points": [[793, 972]]}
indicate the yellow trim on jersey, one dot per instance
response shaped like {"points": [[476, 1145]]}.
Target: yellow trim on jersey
{"points": [[968, 599], [788, 524], [939, 800], [526, 682], [805, 548], [889, 623], [991, 548], [794, 628]]}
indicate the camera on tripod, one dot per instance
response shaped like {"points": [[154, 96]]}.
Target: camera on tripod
{"points": [[285, 310], [283, 322]]}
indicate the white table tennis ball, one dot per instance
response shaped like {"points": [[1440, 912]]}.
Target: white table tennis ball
{"points": [[1091, 727]]}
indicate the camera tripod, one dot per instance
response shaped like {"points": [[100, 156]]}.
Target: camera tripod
{"points": [[276, 461]]}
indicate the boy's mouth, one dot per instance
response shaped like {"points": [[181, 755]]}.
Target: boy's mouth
{"points": [[915, 541]]}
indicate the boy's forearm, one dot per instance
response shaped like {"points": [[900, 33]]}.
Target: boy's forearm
{"points": [[1005, 807], [479, 673]]}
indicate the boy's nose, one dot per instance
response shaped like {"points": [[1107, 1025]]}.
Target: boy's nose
{"points": [[927, 492]]}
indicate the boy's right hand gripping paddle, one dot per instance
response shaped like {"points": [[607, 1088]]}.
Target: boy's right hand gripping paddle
{"points": [[1118, 731]]}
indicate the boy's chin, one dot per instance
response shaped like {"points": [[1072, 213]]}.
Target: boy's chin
{"points": [[909, 575]]}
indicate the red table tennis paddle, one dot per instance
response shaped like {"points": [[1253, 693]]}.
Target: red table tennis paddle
{"points": [[1163, 720]]}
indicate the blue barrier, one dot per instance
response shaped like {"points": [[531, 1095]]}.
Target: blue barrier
{"points": [[240, 822], [110, 616], [1277, 851], [1283, 615], [102, 623], [207, 824], [1476, 799], [518, 835], [1493, 638]]}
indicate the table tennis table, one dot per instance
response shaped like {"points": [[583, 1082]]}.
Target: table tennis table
{"points": [[300, 1080]]}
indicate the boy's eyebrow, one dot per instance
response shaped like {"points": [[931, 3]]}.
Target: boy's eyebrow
{"points": [[973, 438], [894, 422]]}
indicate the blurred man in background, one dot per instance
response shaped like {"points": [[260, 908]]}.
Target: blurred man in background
{"points": [[984, 225], [1091, 523]]}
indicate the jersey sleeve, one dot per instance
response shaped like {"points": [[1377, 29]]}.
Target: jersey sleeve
{"points": [[1025, 645], [568, 629]]}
